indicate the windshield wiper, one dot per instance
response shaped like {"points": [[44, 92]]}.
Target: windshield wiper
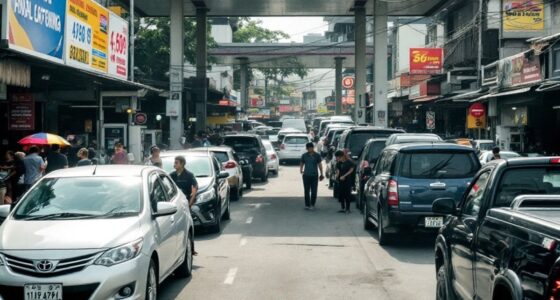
{"points": [[59, 216], [117, 214]]}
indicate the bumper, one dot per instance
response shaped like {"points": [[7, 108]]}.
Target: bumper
{"points": [[273, 165], [413, 220], [93, 282], [205, 214], [259, 170], [289, 155]]}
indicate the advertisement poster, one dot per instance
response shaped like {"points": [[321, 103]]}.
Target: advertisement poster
{"points": [[21, 112], [519, 70], [36, 27], [118, 47], [87, 28], [426, 60], [523, 15]]}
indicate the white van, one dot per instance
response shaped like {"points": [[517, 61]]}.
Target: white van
{"points": [[298, 124]]}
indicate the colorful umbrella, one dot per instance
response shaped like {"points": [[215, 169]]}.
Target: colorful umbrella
{"points": [[42, 138]]}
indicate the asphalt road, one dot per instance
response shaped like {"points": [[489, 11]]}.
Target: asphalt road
{"points": [[274, 249]]}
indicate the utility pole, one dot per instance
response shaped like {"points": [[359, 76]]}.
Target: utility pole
{"points": [[480, 52], [132, 38]]}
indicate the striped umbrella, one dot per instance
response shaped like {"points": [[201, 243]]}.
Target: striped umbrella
{"points": [[42, 138]]}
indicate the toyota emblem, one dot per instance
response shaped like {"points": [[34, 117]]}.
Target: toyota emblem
{"points": [[44, 266]]}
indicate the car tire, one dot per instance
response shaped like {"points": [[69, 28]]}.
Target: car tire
{"points": [[367, 224], [383, 237], [264, 178], [443, 287], [217, 226], [152, 282], [185, 269], [226, 213]]}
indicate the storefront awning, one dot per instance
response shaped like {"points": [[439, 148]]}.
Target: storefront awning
{"points": [[507, 93], [425, 99], [549, 86]]}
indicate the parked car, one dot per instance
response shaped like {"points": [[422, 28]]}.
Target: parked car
{"points": [[212, 198], [501, 241], [293, 147], [408, 178], [227, 157], [298, 124], [95, 232], [341, 118], [367, 159], [251, 148], [316, 122], [284, 131], [486, 156], [273, 161], [330, 133], [406, 138], [484, 145], [324, 123], [352, 140], [275, 124]]}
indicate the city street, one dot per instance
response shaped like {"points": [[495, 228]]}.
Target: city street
{"points": [[274, 249]]}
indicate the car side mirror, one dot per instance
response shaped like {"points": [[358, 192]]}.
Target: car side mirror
{"points": [[444, 206], [165, 209], [223, 175], [368, 171], [4, 211]]}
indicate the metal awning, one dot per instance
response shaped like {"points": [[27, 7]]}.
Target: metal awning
{"points": [[425, 99], [464, 97], [507, 93], [549, 86]]}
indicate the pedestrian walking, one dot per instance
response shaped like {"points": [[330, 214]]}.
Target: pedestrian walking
{"points": [[186, 181], [56, 160], [154, 159], [34, 167], [120, 157], [310, 167], [83, 155], [345, 168]]}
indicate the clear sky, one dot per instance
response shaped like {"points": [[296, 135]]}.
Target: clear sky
{"points": [[296, 27]]}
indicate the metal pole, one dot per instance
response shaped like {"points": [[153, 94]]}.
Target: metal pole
{"points": [[479, 59], [380, 111], [360, 64], [132, 38], [338, 85], [201, 58], [176, 57], [244, 82]]}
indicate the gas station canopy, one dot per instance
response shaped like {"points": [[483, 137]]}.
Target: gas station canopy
{"points": [[285, 8]]}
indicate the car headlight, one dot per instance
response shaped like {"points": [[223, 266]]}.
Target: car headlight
{"points": [[205, 196], [120, 254]]}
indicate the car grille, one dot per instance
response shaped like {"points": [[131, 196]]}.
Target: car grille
{"points": [[78, 292], [65, 266]]}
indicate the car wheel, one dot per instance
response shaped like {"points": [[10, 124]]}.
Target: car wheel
{"points": [[226, 213], [264, 178], [443, 289], [218, 224], [367, 223], [382, 236], [151, 282], [185, 269], [234, 196]]}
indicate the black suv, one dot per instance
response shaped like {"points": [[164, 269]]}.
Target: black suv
{"points": [[406, 181], [353, 140], [367, 159], [250, 147]]}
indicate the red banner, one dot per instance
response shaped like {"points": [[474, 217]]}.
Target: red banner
{"points": [[426, 60], [22, 112]]}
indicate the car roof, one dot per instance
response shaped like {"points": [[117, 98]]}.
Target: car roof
{"points": [[102, 171], [527, 161], [212, 148], [428, 146], [242, 135], [188, 152], [373, 128], [380, 140], [297, 135]]}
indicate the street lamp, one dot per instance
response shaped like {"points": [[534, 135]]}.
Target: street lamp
{"points": [[158, 118]]}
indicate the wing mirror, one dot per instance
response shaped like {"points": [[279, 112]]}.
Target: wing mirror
{"points": [[5, 210], [223, 175], [444, 206], [165, 209]]}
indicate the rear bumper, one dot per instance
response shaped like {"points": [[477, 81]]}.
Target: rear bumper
{"points": [[259, 170], [290, 155], [397, 219]]}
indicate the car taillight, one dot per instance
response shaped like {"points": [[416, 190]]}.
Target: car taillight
{"points": [[259, 159], [282, 146], [555, 290], [555, 160], [273, 156], [230, 165], [393, 193]]}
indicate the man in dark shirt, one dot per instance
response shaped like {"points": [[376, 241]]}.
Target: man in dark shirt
{"points": [[184, 179], [310, 162], [56, 160], [345, 168]]}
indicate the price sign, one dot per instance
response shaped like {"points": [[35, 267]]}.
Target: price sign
{"points": [[118, 47]]}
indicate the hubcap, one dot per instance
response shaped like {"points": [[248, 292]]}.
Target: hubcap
{"points": [[152, 285]]}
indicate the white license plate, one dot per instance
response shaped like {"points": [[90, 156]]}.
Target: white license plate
{"points": [[47, 291], [433, 222]]}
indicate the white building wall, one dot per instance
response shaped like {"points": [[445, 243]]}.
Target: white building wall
{"points": [[408, 36]]}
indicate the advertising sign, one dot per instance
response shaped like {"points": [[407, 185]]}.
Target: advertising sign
{"points": [[36, 27], [426, 60], [519, 70], [22, 112], [348, 82], [476, 118], [87, 28], [523, 15], [118, 46]]}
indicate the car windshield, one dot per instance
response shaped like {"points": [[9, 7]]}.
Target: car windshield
{"points": [[198, 165], [296, 140], [242, 144], [375, 149], [81, 197], [357, 140], [439, 165], [527, 181]]}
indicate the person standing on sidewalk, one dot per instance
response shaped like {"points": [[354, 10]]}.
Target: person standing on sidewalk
{"points": [[345, 168], [309, 166], [56, 160], [34, 167]]}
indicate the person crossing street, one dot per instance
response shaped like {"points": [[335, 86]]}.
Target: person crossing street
{"points": [[309, 168]]}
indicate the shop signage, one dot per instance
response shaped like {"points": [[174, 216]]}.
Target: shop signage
{"points": [[518, 70], [140, 118], [424, 89], [477, 110], [430, 120], [22, 112], [172, 108], [87, 30], [348, 82], [476, 118], [36, 27], [523, 15], [426, 60], [118, 47], [285, 108]]}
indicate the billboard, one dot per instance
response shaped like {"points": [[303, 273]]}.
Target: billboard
{"points": [[523, 15], [87, 27], [36, 27], [118, 47], [519, 70], [426, 60]]}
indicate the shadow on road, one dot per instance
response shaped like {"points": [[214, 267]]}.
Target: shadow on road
{"points": [[410, 247]]}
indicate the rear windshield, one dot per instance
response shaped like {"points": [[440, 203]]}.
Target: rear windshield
{"points": [[296, 140], [439, 165], [221, 156], [527, 181], [357, 140], [242, 144]]}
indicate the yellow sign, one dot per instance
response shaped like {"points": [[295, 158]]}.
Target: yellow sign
{"points": [[476, 123], [523, 15], [87, 35], [322, 109]]}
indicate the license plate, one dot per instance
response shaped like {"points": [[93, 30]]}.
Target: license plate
{"points": [[433, 222], [47, 291]]}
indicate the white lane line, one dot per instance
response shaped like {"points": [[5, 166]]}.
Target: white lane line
{"points": [[243, 242], [230, 277], [249, 220]]}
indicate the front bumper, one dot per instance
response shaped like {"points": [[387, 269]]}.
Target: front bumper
{"points": [[93, 282], [205, 214]]}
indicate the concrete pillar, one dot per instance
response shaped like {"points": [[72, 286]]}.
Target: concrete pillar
{"points": [[360, 64], [380, 113], [338, 85], [244, 82], [176, 40], [201, 58]]}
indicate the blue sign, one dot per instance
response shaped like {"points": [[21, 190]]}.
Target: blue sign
{"points": [[36, 27]]}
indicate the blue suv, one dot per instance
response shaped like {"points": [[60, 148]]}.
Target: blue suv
{"points": [[408, 178]]}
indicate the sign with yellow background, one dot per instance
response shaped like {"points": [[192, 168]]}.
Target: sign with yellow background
{"points": [[523, 15], [476, 122], [86, 35]]}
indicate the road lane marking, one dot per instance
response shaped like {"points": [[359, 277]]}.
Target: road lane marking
{"points": [[249, 220], [230, 277], [257, 205], [243, 242]]}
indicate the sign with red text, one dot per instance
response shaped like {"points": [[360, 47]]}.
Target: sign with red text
{"points": [[348, 82], [22, 112], [118, 47], [426, 60]]}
